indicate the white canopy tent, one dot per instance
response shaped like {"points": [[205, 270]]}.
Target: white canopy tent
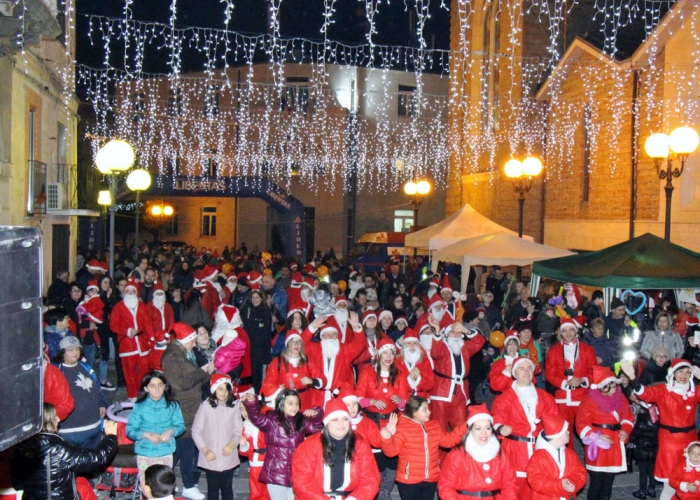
{"points": [[500, 249], [464, 223]]}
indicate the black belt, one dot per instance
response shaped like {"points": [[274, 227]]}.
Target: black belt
{"points": [[479, 494], [376, 416], [259, 450], [244, 381], [303, 389], [451, 378], [522, 439], [610, 427], [338, 493], [676, 430]]}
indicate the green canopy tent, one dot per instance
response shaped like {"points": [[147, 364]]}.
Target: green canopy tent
{"points": [[645, 262]]}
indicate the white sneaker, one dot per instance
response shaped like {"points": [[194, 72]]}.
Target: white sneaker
{"points": [[192, 493]]}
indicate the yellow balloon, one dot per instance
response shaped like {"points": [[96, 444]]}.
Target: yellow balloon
{"points": [[497, 338], [322, 271], [342, 285]]}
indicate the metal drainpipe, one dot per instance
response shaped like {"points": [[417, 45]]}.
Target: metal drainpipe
{"points": [[635, 153]]}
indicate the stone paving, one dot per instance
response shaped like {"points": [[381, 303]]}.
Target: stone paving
{"points": [[623, 487]]}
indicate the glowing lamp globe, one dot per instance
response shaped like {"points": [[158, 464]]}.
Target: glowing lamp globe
{"points": [[656, 146], [168, 210], [138, 180], [423, 187], [513, 168], [411, 188], [683, 140], [156, 210], [115, 156], [532, 166], [104, 198]]}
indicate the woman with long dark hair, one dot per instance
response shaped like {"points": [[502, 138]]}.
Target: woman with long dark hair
{"points": [[289, 370], [108, 299], [285, 429], [295, 321], [193, 313], [257, 322], [336, 461]]}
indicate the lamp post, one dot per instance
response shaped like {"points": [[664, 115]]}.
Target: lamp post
{"points": [[678, 145], [114, 157], [138, 180], [104, 198], [417, 190], [521, 173]]}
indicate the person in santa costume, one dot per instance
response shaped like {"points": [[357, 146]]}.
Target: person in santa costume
{"points": [[477, 468], [254, 450], [335, 463], [358, 422], [339, 319], [415, 365], [437, 308], [569, 368], [228, 326], [448, 296], [90, 312], [677, 402], [330, 360], [373, 336], [162, 319], [685, 477], [132, 325], [450, 351], [212, 292], [554, 472], [416, 441], [229, 290], [500, 375], [289, 370], [604, 422], [517, 415]]}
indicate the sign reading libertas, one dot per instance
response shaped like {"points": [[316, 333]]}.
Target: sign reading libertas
{"points": [[279, 199], [189, 184]]}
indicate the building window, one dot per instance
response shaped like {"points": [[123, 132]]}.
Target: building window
{"points": [[296, 94], [212, 167], [408, 104], [171, 226], [586, 174], [403, 220], [208, 221], [174, 102], [211, 101]]}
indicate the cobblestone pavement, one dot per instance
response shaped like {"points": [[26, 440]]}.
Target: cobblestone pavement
{"points": [[623, 487]]}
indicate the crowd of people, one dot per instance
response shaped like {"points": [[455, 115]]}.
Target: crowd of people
{"points": [[334, 382]]}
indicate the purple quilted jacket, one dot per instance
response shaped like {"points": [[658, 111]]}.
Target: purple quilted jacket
{"points": [[277, 468]]}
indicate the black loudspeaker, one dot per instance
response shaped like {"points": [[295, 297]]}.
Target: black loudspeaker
{"points": [[21, 387]]}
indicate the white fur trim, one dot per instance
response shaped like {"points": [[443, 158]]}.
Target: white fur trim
{"points": [[334, 414], [292, 336], [220, 382], [561, 432], [605, 382], [479, 416], [191, 336]]}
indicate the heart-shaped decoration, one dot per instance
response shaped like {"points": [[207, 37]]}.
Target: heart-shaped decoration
{"points": [[641, 295]]}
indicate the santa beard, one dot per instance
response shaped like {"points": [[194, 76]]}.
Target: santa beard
{"points": [[438, 314], [305, 294], [341, 316], [427, 342], [431, 292], [411, 357], [232, 285], [330, 347], [159, 301], [455, 345], [131, 301]]}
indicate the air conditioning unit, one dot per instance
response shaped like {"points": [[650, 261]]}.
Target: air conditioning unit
{"points": [[56, 197]]}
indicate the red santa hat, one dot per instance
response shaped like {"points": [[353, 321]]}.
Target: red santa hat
{"points": [[602, 376], [309, 281], [232, 276], [347, 394], [410, 334], [292, 334], [293, 266], [132, 283], [94, 266], [511, 335], [385, 344], [183, 332], [328, 328], [400, 318], [478, 412], [677, 364], [446, 284], [219, 379], [481, 310], [519, 361], [435, 300], [385, 313], [369, 313], [229, 314], [554, 425], [215, 255], [200, 277], [434, 282], [297, 278], [210, 273], [92, 284], [309, 268], [691, 321], [341, 298], [570, 322], [335, 408], [254, 280], [158, 286]]}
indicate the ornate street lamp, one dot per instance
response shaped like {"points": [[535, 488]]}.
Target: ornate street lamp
{"points": [[114, 157], [417, 190], [138, 180], [678, 145], [522, 173]]}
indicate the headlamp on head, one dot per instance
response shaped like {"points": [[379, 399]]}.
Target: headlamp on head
{"points": [[629, 355]]}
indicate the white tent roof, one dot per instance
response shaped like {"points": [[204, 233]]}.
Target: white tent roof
{"points": [[501, 249], [464, 223]]}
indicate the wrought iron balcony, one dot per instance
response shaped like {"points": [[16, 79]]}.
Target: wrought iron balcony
{"points": [[61, 189]]}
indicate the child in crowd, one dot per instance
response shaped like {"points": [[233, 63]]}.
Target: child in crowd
{"points": [[645, 437], [686, 475], [154, 423], [216, 429], [159, 482], [251, 444]]}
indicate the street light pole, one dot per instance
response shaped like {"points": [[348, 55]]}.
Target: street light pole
{"points": [[417, 191], [112, 208], [138, 180]]}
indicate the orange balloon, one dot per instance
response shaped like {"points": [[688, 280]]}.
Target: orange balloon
{"points": [[497, 339]]}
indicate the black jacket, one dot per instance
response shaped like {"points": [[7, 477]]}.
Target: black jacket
{"points": [[28, 465], [645, 437]]}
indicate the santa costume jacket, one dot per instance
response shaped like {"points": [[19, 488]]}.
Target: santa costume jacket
{"points": [[591, 418], [367, 388], [509, 410], [548, 466], [122, 319], [426, 380], [368, 430], [556, 365], [461, 472], [683, 474], [311, 478], [161, 321], [676, 412], [446, 382], [254, 450], [500, 380], [281, 373]]}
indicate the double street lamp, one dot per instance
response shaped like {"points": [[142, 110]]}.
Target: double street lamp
{"points": [[522, 173], [138, 180], [417, 190], [679, 144]]}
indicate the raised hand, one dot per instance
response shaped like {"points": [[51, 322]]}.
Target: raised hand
{"points": [[354, 320], [696, 371], [393, 420], [627, 368], [319, 322]]}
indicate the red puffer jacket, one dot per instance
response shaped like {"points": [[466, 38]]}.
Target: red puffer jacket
{"points": [[417, 447], [277, 468]]}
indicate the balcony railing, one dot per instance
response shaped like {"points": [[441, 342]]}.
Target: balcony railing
{"points": [[60, 187], [36, 194]]}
